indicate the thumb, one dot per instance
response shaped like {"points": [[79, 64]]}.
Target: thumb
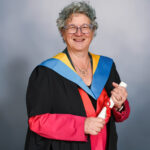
{"points": [[115, 84]]}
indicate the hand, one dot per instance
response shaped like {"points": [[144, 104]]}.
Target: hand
{"points": [[93, 125], [119, 95]]}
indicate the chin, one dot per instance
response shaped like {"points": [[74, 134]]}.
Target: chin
{"points": [[80, 48]]}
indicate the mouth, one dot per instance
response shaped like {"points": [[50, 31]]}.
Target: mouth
{"points": [[79, 40]]}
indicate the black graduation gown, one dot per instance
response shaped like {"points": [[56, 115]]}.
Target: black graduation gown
{"points": [[49, 92]]}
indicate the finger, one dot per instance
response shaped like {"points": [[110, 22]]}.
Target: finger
{"points": [[115, 90], [120, 91], [122, 94], [93, 132], [115, 84], [100, 120], [97, 129], [116, 95], [118, 88], [99, 125], [116, 102]]}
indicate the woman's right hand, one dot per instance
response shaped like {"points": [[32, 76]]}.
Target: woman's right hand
{"points": [[93, 125]]}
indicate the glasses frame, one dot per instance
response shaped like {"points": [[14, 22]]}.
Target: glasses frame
{"points": [[90, 26]]}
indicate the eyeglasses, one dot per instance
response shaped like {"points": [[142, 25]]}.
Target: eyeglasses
{"points": [[85, 28]]}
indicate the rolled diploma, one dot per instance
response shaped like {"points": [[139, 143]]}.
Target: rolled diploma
{"points": [[102, 114]]}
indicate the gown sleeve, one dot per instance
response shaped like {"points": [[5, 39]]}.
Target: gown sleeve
{"points": [[39, 96], [39, 107], [120, 116], [114, 77]]}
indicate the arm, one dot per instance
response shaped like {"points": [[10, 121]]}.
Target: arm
{"points": [[59, 126], [120, 116], [42, 120], [114, 77]]}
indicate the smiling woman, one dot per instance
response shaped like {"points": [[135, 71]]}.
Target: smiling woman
{"points": [[67, 92], [78, 40]]}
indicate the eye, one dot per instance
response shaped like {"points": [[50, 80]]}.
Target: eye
{"points": [[71, 27], [85, 26]]}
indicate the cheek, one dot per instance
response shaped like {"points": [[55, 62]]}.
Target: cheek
{"points": [[69, 38], [89, 38]]}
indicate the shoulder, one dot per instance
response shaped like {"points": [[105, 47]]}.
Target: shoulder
{"points": [[41, 73], [106, 58], [44, 66], [101, 57]]}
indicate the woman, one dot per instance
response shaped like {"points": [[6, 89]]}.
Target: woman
{"points": [[67, 92]]}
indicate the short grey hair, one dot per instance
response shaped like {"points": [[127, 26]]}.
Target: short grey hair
{"points": [[76, 7]]}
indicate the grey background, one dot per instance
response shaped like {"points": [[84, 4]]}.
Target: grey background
{"points": [[28, 35]]}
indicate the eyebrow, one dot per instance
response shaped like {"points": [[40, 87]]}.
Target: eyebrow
{"points": [[76, 25]]}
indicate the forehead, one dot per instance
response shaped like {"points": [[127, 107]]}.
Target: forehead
{"points": [[78, 19]]}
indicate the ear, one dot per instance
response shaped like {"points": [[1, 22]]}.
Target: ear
{"points": [[94, 33]]}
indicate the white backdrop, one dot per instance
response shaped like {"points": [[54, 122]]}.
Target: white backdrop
{"points": [[28, 35]]}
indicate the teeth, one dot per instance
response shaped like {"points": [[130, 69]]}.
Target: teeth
{"points": [[78, 40]]}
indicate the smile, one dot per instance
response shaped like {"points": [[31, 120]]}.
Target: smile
{"points": [[79, 40]]}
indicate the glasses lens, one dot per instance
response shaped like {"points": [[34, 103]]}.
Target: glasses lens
{"points": [[71, 29], [85, 29]]}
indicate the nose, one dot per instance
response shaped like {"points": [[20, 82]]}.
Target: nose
{"points": [[78, 32]]}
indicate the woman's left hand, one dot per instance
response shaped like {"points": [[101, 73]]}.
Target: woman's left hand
{"points": [[119, 95]]}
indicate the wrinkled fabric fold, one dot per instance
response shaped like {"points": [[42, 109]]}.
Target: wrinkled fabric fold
{"points": [[98, 142], [65, 127]]}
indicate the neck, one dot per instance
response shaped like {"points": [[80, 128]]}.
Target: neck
{"points": [[82, 65], [80, 57]]}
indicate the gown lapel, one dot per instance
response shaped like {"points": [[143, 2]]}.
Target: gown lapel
{"points": [[101, 69]]}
